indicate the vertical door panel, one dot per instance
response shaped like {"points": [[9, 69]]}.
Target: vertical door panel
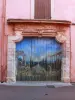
{"points": [[23, 57]]}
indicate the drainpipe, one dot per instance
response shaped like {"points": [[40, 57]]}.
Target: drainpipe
{"points": [[3, 41]]}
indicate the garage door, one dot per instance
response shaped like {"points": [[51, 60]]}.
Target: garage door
{"points": [[38, 59]]}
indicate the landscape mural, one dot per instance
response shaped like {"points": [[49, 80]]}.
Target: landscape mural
{"points": [[38, 59]]}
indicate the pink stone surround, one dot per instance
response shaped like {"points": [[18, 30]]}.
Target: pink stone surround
{"points": [[39, 30]]}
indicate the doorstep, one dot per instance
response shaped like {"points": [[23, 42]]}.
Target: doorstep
{"points": [[35, 83]]}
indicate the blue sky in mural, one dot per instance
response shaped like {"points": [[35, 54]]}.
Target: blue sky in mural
{"points": [[38, 47]]}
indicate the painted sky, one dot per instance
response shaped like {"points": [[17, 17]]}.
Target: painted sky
{"points": [[38, 47]]}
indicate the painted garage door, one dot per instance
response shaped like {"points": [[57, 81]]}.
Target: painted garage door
{"points": [[38, 59]]}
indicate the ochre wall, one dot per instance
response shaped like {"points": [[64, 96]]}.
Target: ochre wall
{"points": [[0, 33], [61, 10], [73, 53], [21, 9]]}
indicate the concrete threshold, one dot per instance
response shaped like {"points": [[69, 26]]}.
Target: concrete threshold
{"points": [[49, 84]]}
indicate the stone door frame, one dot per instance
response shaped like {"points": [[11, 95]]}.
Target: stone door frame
{"points": [[21, 32]]}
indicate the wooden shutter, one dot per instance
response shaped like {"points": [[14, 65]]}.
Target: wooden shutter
{"points": [[42, 9]]}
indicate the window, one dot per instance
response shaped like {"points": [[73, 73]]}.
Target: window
{"points": [[42, 9]]}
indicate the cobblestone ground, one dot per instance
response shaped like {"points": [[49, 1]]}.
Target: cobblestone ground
{"points": [[36, 93]]}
